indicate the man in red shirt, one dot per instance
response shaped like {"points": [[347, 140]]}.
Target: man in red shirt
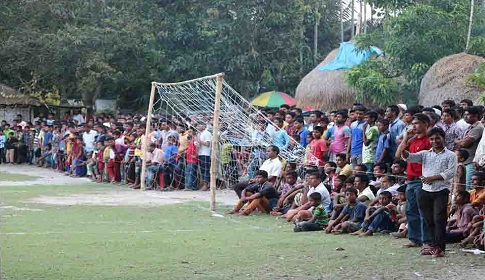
{"points": [[415, 140]]}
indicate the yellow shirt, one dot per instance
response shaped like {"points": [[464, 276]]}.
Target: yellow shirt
{"points": [[346, 170], [183, 142]]}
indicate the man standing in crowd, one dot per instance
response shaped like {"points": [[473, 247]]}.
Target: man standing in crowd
{"points": [[338, 135], [396, 126], [438, 168], [203, 143], [357, 137], [414, 141], [470, 140]]}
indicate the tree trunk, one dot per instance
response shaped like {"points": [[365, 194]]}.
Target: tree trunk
{"points": [[341, 10], [315, 37], [470, 25], [365, 17], [352, 15]]}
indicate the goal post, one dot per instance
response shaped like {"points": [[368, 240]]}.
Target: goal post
{"points": [[240, 131]]}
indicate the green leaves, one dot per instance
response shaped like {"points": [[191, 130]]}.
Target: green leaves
{"points": [[413, 40]]}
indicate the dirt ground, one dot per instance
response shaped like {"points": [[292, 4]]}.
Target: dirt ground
{"points": [[115, 197]]}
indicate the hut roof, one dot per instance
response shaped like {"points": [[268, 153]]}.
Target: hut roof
{"points": [[9, 96], [446, 79], [325, 90]]}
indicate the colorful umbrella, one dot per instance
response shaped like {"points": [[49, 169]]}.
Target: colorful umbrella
{"points": [[273, 99]]}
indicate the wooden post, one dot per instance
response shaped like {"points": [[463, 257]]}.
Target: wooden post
{"points": [[146, 141], [215, 142]]}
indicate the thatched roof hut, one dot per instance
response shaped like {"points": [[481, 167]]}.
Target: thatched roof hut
{"points": [[325, 90], [11, 97], [13, 103], [446, 79]]}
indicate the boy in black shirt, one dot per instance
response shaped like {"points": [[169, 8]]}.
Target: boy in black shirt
{"points": [[260, 195]]}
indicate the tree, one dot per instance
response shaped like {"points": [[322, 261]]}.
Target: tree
{"points": [[413, 40]]}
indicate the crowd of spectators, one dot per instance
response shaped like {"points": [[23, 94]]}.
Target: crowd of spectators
{"points": [[412, 171]]}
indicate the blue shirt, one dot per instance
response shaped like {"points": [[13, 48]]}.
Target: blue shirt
{"points": [[396, 128], [303, 137], [356, 212], [281, 139], [357, 142], [47, 138], [170, 152], [383, 143]]}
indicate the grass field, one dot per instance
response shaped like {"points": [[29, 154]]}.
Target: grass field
{"points": [[4, 176], [182, 241]]}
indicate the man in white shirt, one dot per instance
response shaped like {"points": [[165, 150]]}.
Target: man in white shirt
{"points": [[79, 118], [314, 185], [272, 165], [203, 143], [89, 137]]}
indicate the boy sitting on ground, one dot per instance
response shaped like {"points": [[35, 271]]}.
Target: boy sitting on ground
{"points": [[456, 229], [291, 188], [261, 195], [319, 219], [474, 228], [339, 199], [351, 217], [402, 221], [379, 218]]}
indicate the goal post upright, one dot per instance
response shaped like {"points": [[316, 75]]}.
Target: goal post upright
{"points": [[146, 140], [215, 141]]}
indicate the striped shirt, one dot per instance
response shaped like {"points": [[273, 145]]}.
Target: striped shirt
{"points": [[442, 163]]}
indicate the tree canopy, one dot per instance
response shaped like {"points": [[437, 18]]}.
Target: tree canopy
{"points": [[418, 35], [114, 49]]}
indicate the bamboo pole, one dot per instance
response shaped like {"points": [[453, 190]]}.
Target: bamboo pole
{"points": [[190, 81], [215, 142], [470, 25], [146, 141]]}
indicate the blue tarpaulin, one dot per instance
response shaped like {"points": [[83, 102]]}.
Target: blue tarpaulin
{"points": [[348, 56]]}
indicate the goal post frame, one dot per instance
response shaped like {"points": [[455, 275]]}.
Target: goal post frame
{"points": [[215, 132]]}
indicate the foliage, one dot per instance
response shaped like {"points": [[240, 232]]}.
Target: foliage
{"points": [[413, 40], [105, 48], [477, 79], [374, 82]]}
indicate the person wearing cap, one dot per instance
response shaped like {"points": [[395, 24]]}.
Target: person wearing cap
{"points": [[470, 142], [415, 140]]}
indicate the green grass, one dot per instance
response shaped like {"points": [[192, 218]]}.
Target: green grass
{"points": [[183, 242], [6, 176]]}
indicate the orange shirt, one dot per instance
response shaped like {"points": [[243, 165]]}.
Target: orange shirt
{"points": [[477, 195]]}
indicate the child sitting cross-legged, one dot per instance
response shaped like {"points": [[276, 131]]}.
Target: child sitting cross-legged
{"points": [[457, 228], [379, 218], [319, 219], [261, 196], [402, 220], [351, 217]]}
